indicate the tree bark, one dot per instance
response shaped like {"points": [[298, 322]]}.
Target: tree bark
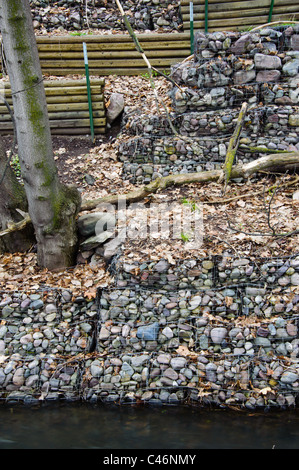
{"points": [[52, 207], [12, 198]]}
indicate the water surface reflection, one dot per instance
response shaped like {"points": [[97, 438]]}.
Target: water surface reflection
{"points": [[100, 427]]}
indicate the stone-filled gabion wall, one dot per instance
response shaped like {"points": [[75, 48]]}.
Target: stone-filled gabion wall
{"points": [[228, 68], [103, 15], [233, 67], [203, 140], [219, 331]]}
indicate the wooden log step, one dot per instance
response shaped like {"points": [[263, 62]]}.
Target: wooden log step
{"points": [[67, 104], [74, 83], [110, 47], [71, 92], [63, 123], [198, 5], [108, 71], [77, 131], [237, 23], [81, 82], [65, 107], [74, 91], [257, 3], [5, 117], [98, 55], [242, 13], [108, 63], [62, 72], [58, 123], [65, 131], [121, 67], [65, 99], [143, 38]]}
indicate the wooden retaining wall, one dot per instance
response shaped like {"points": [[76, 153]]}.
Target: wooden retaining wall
{"points": [[235, 15], [110, 54], [67, 103]]}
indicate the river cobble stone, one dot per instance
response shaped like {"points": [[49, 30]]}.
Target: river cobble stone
{"points": [[164, 344]]}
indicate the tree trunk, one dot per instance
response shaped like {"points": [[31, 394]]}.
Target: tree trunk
{"points": [[12, 197], [52, 206]]}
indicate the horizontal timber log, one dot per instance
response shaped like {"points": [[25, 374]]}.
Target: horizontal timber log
{"points": [[255, 3], [97, 64], [235, 5], [112, 38], [62, 115], [99, 71], [98, 55], [110, 47], [74, 91], [77, 131], [67, 107], [63, 123], [65, 83], [65, 99], [67, 104], [239, 23], [238, 14]]}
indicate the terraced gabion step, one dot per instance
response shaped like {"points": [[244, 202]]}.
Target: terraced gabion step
{"points": [[218, 272], [145, 158], [269, 121], [189, 98], [154, 378]]}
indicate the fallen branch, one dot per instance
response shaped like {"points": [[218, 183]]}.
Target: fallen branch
{"points": [[239, 171], [247, 149]]}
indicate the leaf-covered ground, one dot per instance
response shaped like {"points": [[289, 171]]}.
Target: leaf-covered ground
{"points": [[251, 219]]}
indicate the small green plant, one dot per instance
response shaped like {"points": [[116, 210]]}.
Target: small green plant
{"points": [[192, 203], [77, 33], [185, 237], [15, 164], [147, 75]]}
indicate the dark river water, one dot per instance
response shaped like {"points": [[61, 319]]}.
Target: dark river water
{"points": [[100, 427]]}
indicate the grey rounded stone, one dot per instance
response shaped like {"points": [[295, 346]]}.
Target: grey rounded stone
{"points": [[218, 334]]}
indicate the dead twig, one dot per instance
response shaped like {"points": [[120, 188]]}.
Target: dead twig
{"points": [[267, 208]]}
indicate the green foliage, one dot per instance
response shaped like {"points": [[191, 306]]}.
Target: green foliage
{"points": [[15, 164], [185, 237], [192, 204], [77, 33], [146, 75]]}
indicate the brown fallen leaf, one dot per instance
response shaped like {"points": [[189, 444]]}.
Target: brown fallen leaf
{"points": [[184, 351]]}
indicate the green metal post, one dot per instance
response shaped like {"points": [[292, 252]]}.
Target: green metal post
{"points": [[206, 15], [88, 92], [191, 29], [270, 11]]}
